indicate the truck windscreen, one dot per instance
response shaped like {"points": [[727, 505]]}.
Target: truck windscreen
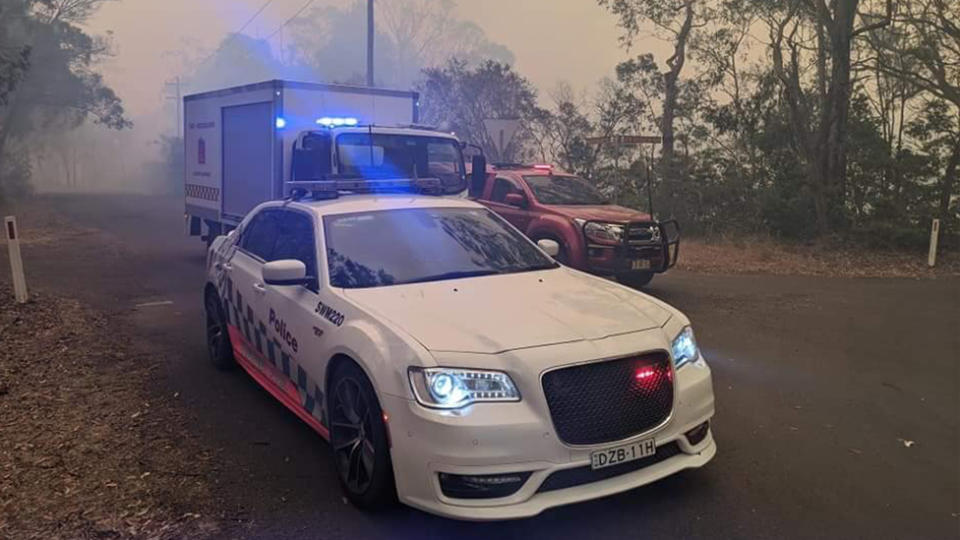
{"points": [[388, 156], [557, 189]]}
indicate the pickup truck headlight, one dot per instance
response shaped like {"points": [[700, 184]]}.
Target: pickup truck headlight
{"points": [[452, 388], [603, 233], [685, 347]]}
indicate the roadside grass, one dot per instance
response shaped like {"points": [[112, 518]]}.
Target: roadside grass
{"points": [[761, 255], [87, 450]]}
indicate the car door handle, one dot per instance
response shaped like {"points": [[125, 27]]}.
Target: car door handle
{"points": [[224, 266], [260, 288]]}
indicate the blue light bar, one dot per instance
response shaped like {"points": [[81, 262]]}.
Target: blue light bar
{"points": [[336, 121], [281, 122]]}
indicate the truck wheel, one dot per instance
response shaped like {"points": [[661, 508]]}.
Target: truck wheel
{"points": [[214, 230], [635, 280], [358, 435], [218, 339]]}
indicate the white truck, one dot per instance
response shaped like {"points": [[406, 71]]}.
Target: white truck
{"points": [[254, 143]]}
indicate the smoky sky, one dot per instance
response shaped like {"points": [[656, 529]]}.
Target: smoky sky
{"points": [[154, 41], [556, 40]]}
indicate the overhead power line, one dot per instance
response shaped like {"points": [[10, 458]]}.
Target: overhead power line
{"points": [[240, 31], [254, 17], [290, 20]]}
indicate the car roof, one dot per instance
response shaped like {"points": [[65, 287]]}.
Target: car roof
{"points": [[367, 202], [390, 130], [529, 170]]}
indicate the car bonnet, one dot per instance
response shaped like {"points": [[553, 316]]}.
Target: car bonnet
{"points": [[492, 314]]}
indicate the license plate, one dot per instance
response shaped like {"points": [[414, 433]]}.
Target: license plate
{"points": [[640, 264], [622, 454]]}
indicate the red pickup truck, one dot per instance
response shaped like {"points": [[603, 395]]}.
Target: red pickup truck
{"points": [[547, 203]]}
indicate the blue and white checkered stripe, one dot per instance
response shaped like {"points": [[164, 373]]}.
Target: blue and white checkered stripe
{"points": [[241, 316]]}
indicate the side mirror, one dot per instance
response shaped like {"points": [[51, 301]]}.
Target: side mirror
{"points": [[550, 247], [285, 272], [478, 175], [515, 199]]}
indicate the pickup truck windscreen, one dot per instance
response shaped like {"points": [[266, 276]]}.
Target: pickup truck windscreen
{"points": [[389, 156], [392, 247], [563, 189]]}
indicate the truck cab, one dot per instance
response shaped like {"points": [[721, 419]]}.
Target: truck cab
{"points": [[546, 202], [378, 153], [260, 142]]}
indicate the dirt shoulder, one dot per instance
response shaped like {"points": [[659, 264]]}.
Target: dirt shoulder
{"points": [[763, 256], [87, 448]]}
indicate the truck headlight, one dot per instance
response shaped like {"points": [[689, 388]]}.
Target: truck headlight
{"points": [[452, 388], [685, 347], [603, 233]]}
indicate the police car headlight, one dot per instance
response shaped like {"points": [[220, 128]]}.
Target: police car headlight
{"points": [[452, 388], [685, 348]]}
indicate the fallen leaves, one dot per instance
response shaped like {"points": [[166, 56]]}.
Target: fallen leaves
{"points": [[72, 464]]}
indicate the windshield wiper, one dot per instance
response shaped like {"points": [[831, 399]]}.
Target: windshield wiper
{"points": [[454, 275]]}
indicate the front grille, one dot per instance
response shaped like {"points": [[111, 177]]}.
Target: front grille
{"points": [[609, 401], [579, 476], [643, 233]]}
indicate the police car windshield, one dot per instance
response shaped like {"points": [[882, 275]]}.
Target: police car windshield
{"points": [[556, 189], [387, 156], [392, 247]]}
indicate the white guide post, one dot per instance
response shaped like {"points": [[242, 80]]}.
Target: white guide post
{"points": [[16, 262], [934, 235]]}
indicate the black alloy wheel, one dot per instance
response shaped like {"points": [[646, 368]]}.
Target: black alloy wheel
{"points": [[359, 439], [218, 341]]}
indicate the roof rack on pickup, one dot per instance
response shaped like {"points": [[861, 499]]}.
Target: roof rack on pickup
{"points": [[333, 188]]}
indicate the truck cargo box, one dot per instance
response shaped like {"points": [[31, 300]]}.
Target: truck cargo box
{"points": [[238, 141]]}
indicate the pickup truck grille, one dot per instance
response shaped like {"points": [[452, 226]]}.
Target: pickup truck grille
{"points": [[611, 400], [643, 233]]}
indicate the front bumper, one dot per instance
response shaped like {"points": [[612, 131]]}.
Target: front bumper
{"points": [[500, 438], [636, 255]]}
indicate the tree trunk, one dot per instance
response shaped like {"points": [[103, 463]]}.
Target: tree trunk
{"points": [[947, 184], [671, 90], [666, 121], [841, 89]]}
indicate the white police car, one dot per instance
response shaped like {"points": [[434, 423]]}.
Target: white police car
{"points": [[449, 361]]}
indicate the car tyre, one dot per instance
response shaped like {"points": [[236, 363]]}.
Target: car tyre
{"points": [[358, 438], [213, 231], [218, 339], [635, 280]]}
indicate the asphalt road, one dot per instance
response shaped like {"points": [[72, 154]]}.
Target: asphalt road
{"points": [[837, 401]]}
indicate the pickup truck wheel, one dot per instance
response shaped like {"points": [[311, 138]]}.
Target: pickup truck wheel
{"points": [[635, 279], [358, 435], [218, 339]]}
